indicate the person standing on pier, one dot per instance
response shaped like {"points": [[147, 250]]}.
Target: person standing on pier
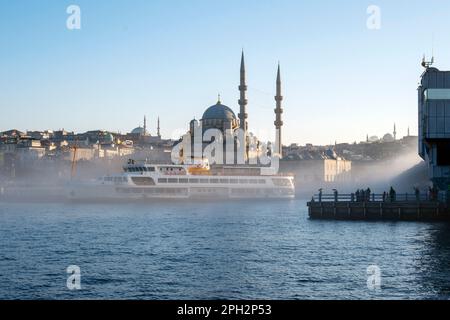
{"points": [[368, 191], [392, 194], [417, 193], [320, 195], [335, 192]]}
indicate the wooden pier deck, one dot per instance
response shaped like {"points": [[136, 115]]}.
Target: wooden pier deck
{"points": [[403, 208]]}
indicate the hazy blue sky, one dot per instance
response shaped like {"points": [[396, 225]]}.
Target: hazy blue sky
{"points": [[171, 58]]}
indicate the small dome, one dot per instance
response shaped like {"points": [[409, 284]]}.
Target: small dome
{"points": [[219, 112], [138, 130], [388, 137]]}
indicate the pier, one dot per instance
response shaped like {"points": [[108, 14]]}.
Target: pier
{"points": [[405, 207]]}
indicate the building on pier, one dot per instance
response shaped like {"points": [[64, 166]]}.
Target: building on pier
{"points": [[434, 123]]}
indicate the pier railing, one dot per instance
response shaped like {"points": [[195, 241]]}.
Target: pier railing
{"points": [[376, 197]]}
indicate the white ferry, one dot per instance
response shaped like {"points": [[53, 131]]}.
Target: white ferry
{"points": [[141, 180]]}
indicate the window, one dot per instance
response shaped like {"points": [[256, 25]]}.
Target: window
{"points": [[243, 181], [172, 180], [282, 182], [235, 181], [193, 180], [204, 180], [143, 181], [183, 180], [214, 180], [436, 94], [224, 181], [162, 180]]}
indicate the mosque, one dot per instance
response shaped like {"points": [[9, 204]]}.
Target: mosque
{"points": [[223, 118], [141, 135]]}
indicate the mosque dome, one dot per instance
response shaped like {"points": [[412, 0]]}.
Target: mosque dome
{"points": [[219, 112], [388, 138], [138, 130]]}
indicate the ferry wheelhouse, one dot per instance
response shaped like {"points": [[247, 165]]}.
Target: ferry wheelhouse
{"points": [[141, 180]]}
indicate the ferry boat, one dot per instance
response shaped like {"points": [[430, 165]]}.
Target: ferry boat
{"points": [[142, 180]]}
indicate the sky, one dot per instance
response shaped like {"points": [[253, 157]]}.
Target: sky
{"points": [[167, 58]]}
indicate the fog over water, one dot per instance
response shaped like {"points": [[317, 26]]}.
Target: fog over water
{"points": [[47, 180]]}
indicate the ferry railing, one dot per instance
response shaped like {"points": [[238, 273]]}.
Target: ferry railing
{"points": [[377, 197]]}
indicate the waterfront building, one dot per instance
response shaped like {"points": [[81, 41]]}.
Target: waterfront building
{"points": [[316, 166], [434, 123]]}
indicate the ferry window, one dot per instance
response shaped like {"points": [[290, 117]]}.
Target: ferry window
{"points": [[281, 182], [253, 181], [234, 181], [183, 180], [162, 180], [151, 169], [193, 180], [172, 180], [262, 181], [243, 181], [124, 179], [143, 181], [214, 180], [144, 169], [224, 181], [203, 180]]}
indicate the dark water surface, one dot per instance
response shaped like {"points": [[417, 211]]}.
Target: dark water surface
{"points": [[216, 250]]}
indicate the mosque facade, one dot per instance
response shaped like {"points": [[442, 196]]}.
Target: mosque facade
{"points": [[234, 129]]}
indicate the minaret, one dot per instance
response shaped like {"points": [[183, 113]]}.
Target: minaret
{"points": [[145, 126], [158, 129], [278, 111], [408, 132], [243, 105], [395, 132], [243, 99]]}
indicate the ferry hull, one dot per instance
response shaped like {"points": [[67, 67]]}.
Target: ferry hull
{"points": [[109, 193]]}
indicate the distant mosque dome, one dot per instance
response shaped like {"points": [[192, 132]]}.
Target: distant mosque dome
{"points": [[388, 137], [138, 130], [374, 139], [219, 112]]}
